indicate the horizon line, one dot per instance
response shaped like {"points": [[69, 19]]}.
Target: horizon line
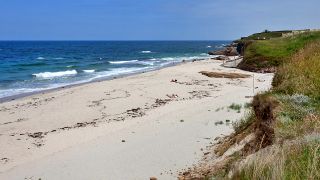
{"points": [[117, 40]]}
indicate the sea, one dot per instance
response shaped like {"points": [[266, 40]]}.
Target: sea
{"points": [[33, 66]]}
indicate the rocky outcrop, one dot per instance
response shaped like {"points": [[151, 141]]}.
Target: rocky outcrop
{"points": [[221, 58], [228, 51]]}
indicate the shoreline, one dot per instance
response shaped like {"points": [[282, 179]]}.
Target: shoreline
{"points": [[139, 126], [23, 95]]}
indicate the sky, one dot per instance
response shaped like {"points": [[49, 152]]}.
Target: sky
{"points": [[151, 19]]}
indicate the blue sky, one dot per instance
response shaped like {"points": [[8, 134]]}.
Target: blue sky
{"points": [[151, 19]]}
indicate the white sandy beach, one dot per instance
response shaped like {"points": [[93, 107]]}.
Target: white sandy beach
{"points": [[134, 127]]}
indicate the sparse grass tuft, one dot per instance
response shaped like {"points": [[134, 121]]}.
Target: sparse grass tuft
{"points": [[245, 122], [236, 107], [247, 105]]}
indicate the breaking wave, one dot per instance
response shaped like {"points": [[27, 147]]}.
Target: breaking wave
{"points": [[48, 75]]}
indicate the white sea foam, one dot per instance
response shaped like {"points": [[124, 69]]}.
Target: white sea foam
{"points": [[58, 58], [187, 58], [168, 59], [118, 71], [208, 46], [40, 58], [69, 66], [12, 92], [149, 63], [123, 62], [48, 75], [89, 71], [93, 75], [146, 52]]}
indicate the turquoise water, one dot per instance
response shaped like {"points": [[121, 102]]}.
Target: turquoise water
{"points": [[30, 66]]}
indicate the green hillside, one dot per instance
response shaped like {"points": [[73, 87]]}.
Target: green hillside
{"points": [[266, 54]]}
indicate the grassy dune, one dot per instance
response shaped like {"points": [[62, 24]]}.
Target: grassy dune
{"points": [[294, 132], [294, 152], [280, 135]]}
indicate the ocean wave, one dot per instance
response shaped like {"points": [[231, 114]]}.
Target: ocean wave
{"points": [[146, 52], [209, 46], [59, 58], [32, 64], [70, 66], [118, 71], [123, 62], [186, 58], [40, 58], [12, 92], [149, 63], [89, 71], [48, 75], [168, 59]]}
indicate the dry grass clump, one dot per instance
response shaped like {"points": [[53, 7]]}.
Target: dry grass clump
{"points": [[296, 129], [293, 160], [301, 74], [224, 75]]}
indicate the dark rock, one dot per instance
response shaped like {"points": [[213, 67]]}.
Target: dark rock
{"points": [[232, 52], [219, 52], [229, 51], [221, 58]]}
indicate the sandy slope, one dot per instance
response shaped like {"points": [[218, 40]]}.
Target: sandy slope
{"points": [[78, 132]]}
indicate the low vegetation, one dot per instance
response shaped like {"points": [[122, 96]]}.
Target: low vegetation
{"points": [[235, 107], [264, 35], [244, 123]]}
